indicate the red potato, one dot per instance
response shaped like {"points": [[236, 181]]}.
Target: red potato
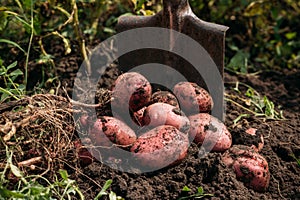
{"points": [[164, 97], [132, 90], [164, 114], [205, 127], [192, 98], [84, 156], [250, 167], [109, 129], [160, 147]]}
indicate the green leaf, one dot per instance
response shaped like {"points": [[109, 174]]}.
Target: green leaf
{"points": [[15, 170], [12, 65], [3, 18], [63, 174], [109, 30], [238, 62], [249, 92], [4, 96], [254, 8], [112, 196], [9, 194], [103, 190], [200, 190], [291, 35], [12, 43], [186, 189], [16, 72], [21, 87]]}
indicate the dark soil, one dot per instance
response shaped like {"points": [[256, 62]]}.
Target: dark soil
{"points": [[282, 139]]}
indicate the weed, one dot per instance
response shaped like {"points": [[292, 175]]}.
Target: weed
{"points": [[28, 187], [296, 159], [198, 195], [252, 102], [11, 87]]}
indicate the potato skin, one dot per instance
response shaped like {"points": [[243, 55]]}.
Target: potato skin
{"points": [[164, 97], [109, 129], [160, 147], [204, 126], [164, 114], [192, 98], [250, 167], [131, 89]]}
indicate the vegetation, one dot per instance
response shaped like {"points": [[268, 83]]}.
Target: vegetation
{"points": [[262, 36]]}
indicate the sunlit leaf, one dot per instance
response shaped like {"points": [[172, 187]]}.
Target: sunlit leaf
{"points": [[12, 65], [254, 8], [63, 174], [291, 35], [186, 189], [15, 170], [200, 190]]}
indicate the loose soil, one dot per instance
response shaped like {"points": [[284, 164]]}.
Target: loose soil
{"points": [[51, 113]]}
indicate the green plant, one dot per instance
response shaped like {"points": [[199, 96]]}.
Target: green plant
{"points": [[11, 87], [252, 102], [296, 159], [112, 195], [198, 195], [28, 187]]}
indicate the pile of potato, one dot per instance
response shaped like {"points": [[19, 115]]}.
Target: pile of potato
{"points": [[168, 122]]}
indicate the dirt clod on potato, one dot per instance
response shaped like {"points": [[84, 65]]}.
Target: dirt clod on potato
{"points": [[249, 137]]}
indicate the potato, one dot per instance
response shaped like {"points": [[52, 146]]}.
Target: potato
{"points": [[192, 98], [250, 167], [206, 127], [132, 90], [160, 147], [84, 156], [164, 114], [164, 97], [109, 129]]}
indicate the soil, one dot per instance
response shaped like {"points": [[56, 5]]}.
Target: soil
{"points": [[281, 137]]}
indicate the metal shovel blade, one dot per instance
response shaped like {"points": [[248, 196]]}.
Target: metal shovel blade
{"points": [[177, 15]]}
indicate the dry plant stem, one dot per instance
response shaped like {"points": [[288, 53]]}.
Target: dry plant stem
{"points": [[30, 161], [80, 37], [81, 173], [29, 44], [239, 105]]}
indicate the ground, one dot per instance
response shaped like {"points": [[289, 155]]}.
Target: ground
{"points": [[282, 139]]}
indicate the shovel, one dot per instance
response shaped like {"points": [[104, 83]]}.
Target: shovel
{"points": [[177, 15]]}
